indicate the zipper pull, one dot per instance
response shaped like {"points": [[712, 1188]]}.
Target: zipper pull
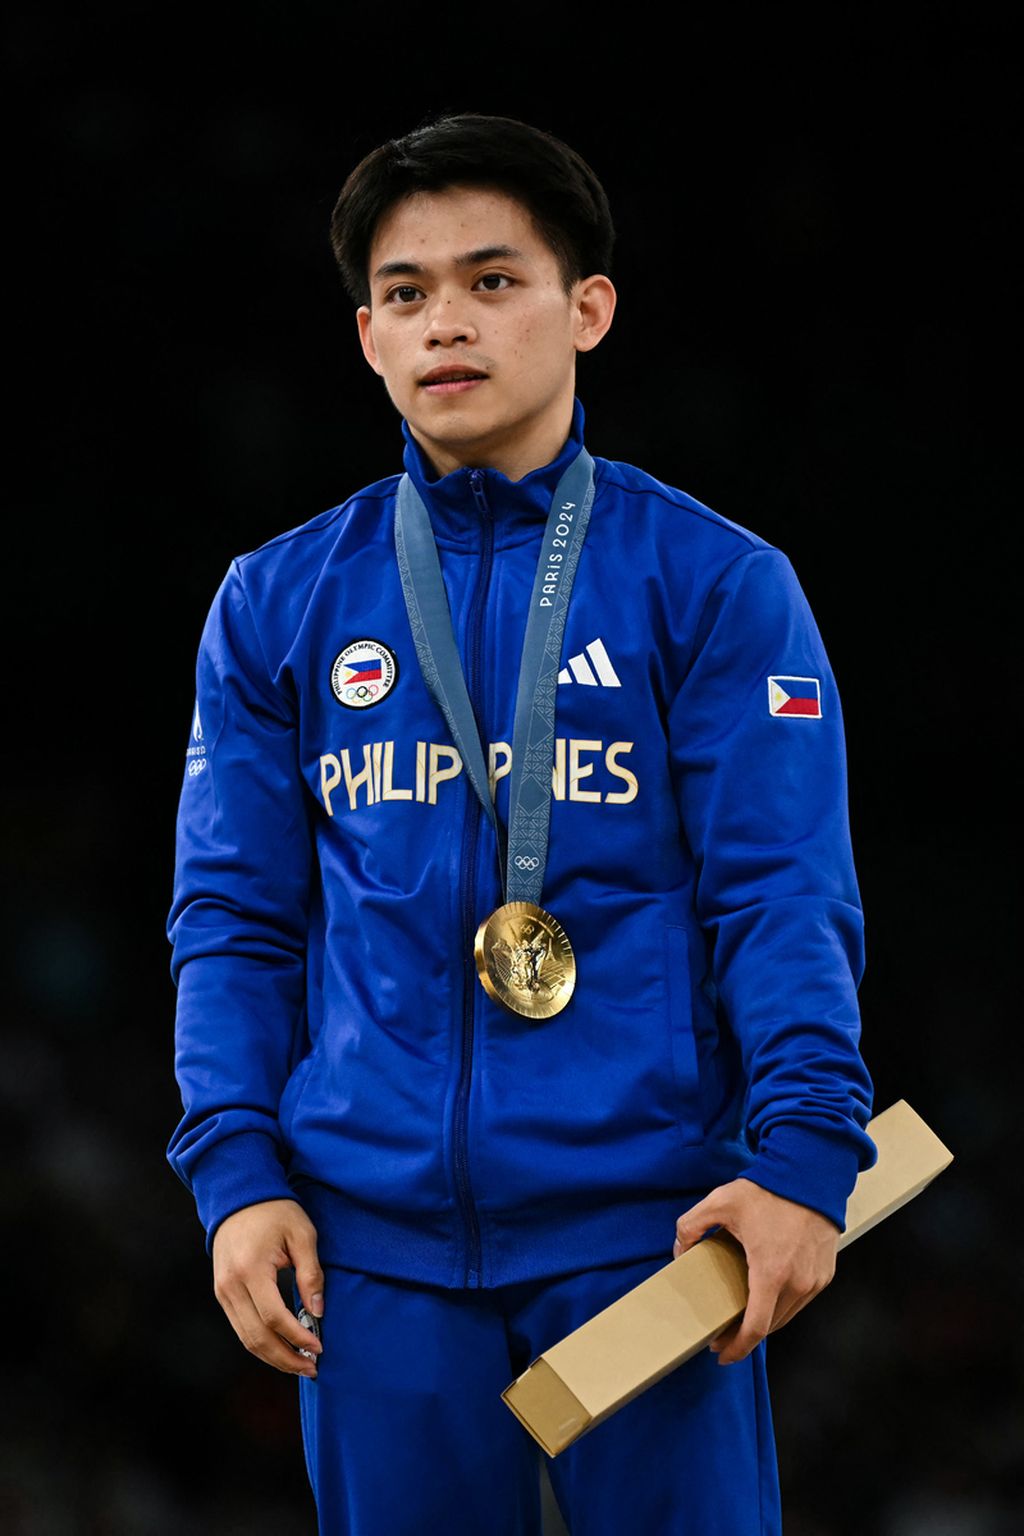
{"points": [[476, 484]]}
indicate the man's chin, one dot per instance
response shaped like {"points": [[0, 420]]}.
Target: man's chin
{"points": [[457, 434]]}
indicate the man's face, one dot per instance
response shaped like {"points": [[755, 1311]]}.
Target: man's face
{"points": [[469, 325]]}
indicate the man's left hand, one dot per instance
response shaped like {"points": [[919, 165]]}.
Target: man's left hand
{"points": [[791, 1256]]}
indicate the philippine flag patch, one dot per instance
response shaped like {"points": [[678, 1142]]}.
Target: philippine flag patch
{"points": [[795, 697]]}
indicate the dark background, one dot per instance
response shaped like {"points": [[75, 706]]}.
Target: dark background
{"points": [[813, 269]]}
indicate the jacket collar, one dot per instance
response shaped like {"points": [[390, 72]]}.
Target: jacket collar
{"points": [[519, 508]]}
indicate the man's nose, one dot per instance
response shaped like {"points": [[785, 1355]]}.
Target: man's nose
{"points": [[447, 324]]}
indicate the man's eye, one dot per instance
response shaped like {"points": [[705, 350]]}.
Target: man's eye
{"points": [[491, 280], [405, 293]]}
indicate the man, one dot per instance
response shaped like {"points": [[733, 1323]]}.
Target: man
{"points": [[514, 694]]}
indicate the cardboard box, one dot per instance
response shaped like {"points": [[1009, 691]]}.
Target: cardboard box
{"points": [[580, 1381]]}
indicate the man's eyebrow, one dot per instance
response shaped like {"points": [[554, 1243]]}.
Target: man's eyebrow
{"points": [[399, 269], [489, 253], [408, 268]]}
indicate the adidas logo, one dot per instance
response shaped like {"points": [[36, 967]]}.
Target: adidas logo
{"points": [[579, 669]]}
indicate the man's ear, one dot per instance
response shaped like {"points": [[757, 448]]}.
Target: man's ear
{"points": [[364, 321], [595, 305]]}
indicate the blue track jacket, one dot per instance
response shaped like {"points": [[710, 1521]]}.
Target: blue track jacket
{"points": [[334, 1044]]}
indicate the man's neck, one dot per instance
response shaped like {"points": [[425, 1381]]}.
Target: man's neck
{"points": [[515, 457]]}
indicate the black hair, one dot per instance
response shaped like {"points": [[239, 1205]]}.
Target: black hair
{"points": [[566, 201]]}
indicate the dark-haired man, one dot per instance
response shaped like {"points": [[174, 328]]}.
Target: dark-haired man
{"points": [[517, 699]]}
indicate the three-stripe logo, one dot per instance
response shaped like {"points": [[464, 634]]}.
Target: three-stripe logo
{"points": [[580, 670]]}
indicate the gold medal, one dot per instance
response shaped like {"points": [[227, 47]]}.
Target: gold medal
{"points": [[525, 960]]}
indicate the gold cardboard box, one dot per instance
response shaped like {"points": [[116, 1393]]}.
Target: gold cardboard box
{"points": [[585, 1377]]}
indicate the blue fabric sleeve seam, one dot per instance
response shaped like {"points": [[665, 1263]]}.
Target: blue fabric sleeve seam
{"points": [[744, 554], [259, 643]]}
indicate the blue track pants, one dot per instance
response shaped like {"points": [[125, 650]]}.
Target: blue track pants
{"points": [[405, 1432]]}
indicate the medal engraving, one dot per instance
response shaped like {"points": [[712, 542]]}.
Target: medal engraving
{"points": [[525, 960]]}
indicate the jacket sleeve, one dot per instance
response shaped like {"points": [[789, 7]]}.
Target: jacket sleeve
{"points": [[764, 806], [238, 922]]}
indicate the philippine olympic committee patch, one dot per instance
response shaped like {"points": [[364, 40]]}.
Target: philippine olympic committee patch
{"points": [[363, 673]]}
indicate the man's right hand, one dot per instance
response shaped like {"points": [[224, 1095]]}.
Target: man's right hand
{"points": [[249, 1247]]}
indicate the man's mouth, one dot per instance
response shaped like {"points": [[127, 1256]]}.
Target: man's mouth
{"points": [[451, 380]]}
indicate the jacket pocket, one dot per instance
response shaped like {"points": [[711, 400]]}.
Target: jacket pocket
{"points": [[685, 1066]]}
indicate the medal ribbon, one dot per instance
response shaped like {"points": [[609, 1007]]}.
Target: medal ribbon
{"points": [[533, 731]]}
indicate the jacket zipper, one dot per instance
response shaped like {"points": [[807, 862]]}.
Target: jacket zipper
{"points": [[473, 1276]]}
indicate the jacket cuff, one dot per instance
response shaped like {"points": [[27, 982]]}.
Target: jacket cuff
{"points": [[812, 1168], [241, 1170]]}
